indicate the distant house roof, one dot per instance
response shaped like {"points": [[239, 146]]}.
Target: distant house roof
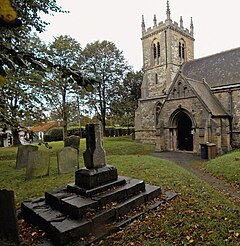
{"points": [[44, 126], [217, 70]]}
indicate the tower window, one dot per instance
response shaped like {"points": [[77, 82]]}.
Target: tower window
{"points": [[158, 49], [154, 51], [181, 50], [183, 57]]}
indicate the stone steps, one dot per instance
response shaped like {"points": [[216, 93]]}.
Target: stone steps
{"points": [[67, 216]]}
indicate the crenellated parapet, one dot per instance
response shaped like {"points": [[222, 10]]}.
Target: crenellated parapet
{"points": [[167, 24]]}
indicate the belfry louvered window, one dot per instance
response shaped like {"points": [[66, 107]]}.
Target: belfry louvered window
{"points": [[181, 50]]}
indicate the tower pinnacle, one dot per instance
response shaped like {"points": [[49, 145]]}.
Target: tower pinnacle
{"points": [[155, 20], [168, 11], [143, 24], [181, 22], [191, 27]]}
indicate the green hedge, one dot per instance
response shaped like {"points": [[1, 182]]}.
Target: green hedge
{"points": [[56, 134]]}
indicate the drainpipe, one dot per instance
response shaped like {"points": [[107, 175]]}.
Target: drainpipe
{"points": [[231, 117], [165, 32]]}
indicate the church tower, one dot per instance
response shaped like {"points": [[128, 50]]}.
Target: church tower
{"points": [[166, 46]]}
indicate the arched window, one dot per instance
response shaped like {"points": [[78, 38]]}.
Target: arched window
{"points": [[159, 51], [157, 112], [179, 89], [185, 91], [156, 52], [181, 50]]}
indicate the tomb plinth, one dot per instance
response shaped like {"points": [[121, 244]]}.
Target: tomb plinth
{"points": [[92, 178], [97, 203], [96, 173]]}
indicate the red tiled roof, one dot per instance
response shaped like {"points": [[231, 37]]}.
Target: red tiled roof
{"points": [[44, 126]]}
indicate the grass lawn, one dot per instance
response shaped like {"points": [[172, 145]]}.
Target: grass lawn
{"points": [[200, 214], [226, 167]]}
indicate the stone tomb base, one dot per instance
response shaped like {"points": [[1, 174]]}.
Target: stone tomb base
{"points": [[70, 213]]}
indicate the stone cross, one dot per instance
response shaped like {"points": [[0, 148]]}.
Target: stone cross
{"points": [[94, 156]]}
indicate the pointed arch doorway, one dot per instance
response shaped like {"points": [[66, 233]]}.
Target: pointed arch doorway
{"points": [[184, 132]]}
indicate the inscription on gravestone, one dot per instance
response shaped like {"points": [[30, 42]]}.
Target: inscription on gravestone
{"points": [[38, 164], [8, 220], [68, 160], [22, 155]]}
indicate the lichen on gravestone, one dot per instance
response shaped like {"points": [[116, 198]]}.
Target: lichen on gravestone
{"points": [[38, 164], [68, 160], [22, 155]]}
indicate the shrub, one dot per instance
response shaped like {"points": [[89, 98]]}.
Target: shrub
{"points": [[54, 134]]}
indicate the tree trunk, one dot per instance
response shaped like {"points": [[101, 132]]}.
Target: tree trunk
{"points": [[65, 118], [16, 140]]}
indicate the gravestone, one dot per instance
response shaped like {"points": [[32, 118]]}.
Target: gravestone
{"points": [[22, 155], [94, 156], [96, 172], [72, 141], [38, 164], [8, 220], [68, 160]]}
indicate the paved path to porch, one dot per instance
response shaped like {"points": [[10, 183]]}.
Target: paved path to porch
{"points": [[191, 162]]}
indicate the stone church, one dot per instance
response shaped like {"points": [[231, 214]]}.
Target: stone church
{"points": [[185, 101]]}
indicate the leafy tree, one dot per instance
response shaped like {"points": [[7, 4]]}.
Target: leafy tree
{"points": [[17, 20], [21, 98], [60, 89], [14, 30], [12, 55], [123, 108], [102, 60]]}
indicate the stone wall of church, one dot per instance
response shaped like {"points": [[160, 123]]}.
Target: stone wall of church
{"points": [[204, 128], [145, 121], [230, 100], [189, 47], [167, 140], [156, 82]]}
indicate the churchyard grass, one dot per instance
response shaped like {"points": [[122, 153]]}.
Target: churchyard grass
{"points": [[200, 214], [226, 167]]}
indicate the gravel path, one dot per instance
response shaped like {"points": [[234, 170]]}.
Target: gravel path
{"points": [[187, 160]]}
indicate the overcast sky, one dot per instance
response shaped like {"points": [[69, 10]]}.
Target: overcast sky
{"points": [[216, 23]]}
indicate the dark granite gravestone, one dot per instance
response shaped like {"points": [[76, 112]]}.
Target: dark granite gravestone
{"points": [[8, 220], [96, 172], [38, 164], [22, 155], [94, 156], [68, 160]]}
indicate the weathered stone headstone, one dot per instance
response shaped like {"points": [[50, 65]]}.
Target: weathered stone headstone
{"points": [[94, 156], [22, 155], [38, 164], [8, 220], [68, 160], [72, 141]]}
